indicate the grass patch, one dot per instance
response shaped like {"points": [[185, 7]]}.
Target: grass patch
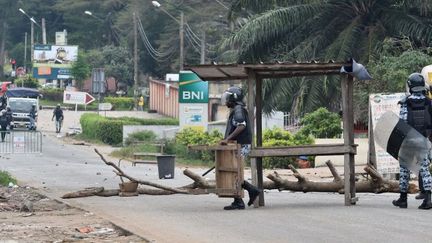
{"points": [[6, 177]]}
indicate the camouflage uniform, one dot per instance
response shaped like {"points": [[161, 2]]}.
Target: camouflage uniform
{"points": [[424, 166]]}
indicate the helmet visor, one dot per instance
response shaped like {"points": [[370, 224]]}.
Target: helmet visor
{"points": [[225, 97]]}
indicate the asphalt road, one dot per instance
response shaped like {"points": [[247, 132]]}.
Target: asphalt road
{"points": [[287, 217]]}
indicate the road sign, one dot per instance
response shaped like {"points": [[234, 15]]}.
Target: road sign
{"points": [[77, 98], [105, 106]]}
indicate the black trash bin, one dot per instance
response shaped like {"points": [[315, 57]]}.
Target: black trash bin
{"points": [[166, 165]]}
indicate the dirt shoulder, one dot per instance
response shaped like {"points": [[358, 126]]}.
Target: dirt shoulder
{"points": [[28, 216]]}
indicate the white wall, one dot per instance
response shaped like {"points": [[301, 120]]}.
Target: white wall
{"points": [[159, 130], [338, 160]]}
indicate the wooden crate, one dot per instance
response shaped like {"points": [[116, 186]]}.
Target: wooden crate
{"points": [[229, 169]]}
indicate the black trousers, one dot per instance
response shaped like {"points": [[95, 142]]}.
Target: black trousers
{"points": [[3, 133]]}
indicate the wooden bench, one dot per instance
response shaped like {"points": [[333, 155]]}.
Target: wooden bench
{"points": [[138, 155]]}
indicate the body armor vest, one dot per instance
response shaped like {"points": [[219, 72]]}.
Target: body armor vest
{"points": [[419, 115]]}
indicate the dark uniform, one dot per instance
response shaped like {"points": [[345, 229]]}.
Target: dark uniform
{"points": [[416, 110], [238, 120], [3, 124]]}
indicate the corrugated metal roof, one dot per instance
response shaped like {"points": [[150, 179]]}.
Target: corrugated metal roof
{"points": [[216, 72]]}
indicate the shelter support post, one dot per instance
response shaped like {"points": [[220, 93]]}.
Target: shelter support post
{"points": [[251, 108], [348, 134], [259, 136]]}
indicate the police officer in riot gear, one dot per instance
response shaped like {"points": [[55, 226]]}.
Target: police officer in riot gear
{"points": [[416, 110], [239, 129]]}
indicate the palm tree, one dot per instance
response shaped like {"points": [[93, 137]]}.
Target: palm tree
{"points": [[322, 29]]}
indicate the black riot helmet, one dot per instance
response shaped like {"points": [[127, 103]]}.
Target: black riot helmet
{"points": [[233, 95], [416, 83]]}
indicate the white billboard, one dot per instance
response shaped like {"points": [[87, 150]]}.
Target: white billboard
{"points": [[55, 54]]}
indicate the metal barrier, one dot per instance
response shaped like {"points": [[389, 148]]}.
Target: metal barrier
{"points": [[21, 142]]}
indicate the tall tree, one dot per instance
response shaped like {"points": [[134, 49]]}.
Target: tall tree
{"points": [[330, 29]]}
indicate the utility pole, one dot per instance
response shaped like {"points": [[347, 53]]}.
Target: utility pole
{"points": [[44, 41], [203, 54], [135, 55], [25, 52], [181, 34], [31, 41]]}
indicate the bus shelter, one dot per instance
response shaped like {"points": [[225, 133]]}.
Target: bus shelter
{"points": [[255, 74]]}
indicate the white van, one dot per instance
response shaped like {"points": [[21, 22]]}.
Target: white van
{"points": [[21, 108]]}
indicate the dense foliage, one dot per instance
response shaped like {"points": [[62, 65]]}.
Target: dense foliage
{"points": [[120, 103], [304, 30], [27, 81], [191, 136], [278, 137], [111, 27], [52, 94], [321, 124]]}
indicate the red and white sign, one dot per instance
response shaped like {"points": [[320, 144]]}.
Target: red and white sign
{"points": [[77, 98]]}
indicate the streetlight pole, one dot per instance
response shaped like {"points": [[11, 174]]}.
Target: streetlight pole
{"points": [[135, 56], [32, 23], [44, 41], [25, 52], [31, 41], [181, 35]]}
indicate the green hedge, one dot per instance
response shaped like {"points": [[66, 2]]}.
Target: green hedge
{"points": [[52, 94], [120, 103], [110, 130]]}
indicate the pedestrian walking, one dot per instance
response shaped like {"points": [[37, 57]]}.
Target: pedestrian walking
{"points": [[58, 114]]}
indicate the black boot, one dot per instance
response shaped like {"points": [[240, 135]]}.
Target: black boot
{"points": [[427, 201], [421, 195], [237, 204], [252, 190], [402, 201]]}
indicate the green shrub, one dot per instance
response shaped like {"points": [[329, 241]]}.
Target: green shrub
{"points": [[52, 94], [142, 136], [5, 178], [321, 124], [278, 137], [27, 81], [120, 103], [191, 136]]}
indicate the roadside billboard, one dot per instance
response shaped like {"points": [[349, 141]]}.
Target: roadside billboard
{"points": [[192, 89], [46, 72], [193, 101], [379, 104], [55, 54]]}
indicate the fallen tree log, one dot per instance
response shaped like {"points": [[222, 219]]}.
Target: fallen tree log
{"points": [[377, 184], [84, 193]]}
